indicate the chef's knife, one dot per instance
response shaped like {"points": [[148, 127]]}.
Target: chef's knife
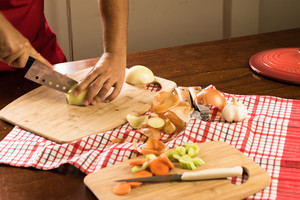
{"points": [[204, 110], [207, 174], [41, 74]]}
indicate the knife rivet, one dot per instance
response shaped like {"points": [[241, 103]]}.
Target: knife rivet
{"points": [[57, 86], [64, 88], [50, 83]]}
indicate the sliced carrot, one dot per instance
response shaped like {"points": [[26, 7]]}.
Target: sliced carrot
{"points": [[159, 167], [139, 174], [165, 158], [135, 184], [137, 162], [143, 173], [121, 188]]}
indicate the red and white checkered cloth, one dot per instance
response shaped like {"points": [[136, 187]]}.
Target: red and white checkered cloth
{"points": [[270, 136]]}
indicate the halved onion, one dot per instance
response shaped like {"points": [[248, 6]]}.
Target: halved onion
{"points": [[139, 75]]}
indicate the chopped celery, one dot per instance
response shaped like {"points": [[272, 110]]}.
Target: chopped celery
{"points": [[187, 164], [176, 157], [198, 161], [192, 149], [137, 168], [193, 152], [181, 150], [170, 153], [189, 145], [184, 155]]}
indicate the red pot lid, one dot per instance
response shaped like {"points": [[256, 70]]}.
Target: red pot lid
{"points": [[281, 64]]}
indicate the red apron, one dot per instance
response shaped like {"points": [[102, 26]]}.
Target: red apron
{"points": [[28, 17]]}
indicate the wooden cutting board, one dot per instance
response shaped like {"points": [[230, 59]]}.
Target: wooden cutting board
{"points": [[215, 154], [44, 111]]}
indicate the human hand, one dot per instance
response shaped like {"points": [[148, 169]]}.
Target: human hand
{"points": [[108, 72], [15, 49]]}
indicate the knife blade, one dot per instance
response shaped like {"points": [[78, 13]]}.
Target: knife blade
{"points": [[204, 110], [42, 75], [207, 174]]}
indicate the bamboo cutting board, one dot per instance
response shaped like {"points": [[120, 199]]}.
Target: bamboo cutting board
{"points": [[215, 154], [44, 111]]}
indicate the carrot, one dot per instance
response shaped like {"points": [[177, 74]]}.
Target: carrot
{"points": [[135, 184], [142, 173], [165, 158], [139, 174], [137, 162], [158, 167], [121, 188]]}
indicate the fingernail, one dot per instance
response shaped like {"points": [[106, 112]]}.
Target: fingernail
{"points": [[94, 102], [75, 93], [85, 102]]}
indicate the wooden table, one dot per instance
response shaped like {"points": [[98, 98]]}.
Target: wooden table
{"points": [[223, 63]]}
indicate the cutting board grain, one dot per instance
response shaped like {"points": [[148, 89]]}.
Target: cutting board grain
{"points": [[215, 154], [44, 111]]}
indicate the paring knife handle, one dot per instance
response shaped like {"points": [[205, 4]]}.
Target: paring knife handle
{"points": [[183, 94], [194, 90], [212, 173]]}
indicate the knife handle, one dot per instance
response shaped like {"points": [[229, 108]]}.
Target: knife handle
{"points": [[183, 94], [29, 62], [212, 173], [194, 90]]}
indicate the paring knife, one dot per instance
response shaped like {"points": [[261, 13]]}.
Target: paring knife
{"points": [[41, 74], [204, 110], [207, 174]]}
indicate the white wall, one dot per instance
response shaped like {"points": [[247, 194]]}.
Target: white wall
{"points": [[163, 23]]}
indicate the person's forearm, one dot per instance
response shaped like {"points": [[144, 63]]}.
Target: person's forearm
{"points": [[114, 16]]}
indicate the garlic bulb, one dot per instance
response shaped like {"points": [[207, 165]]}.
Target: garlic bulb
{"points": [[234, 111]]}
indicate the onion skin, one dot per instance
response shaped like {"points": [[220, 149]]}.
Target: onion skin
{"points": [[150, 132], [211, 96], [164, 101], [179, 123]]}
